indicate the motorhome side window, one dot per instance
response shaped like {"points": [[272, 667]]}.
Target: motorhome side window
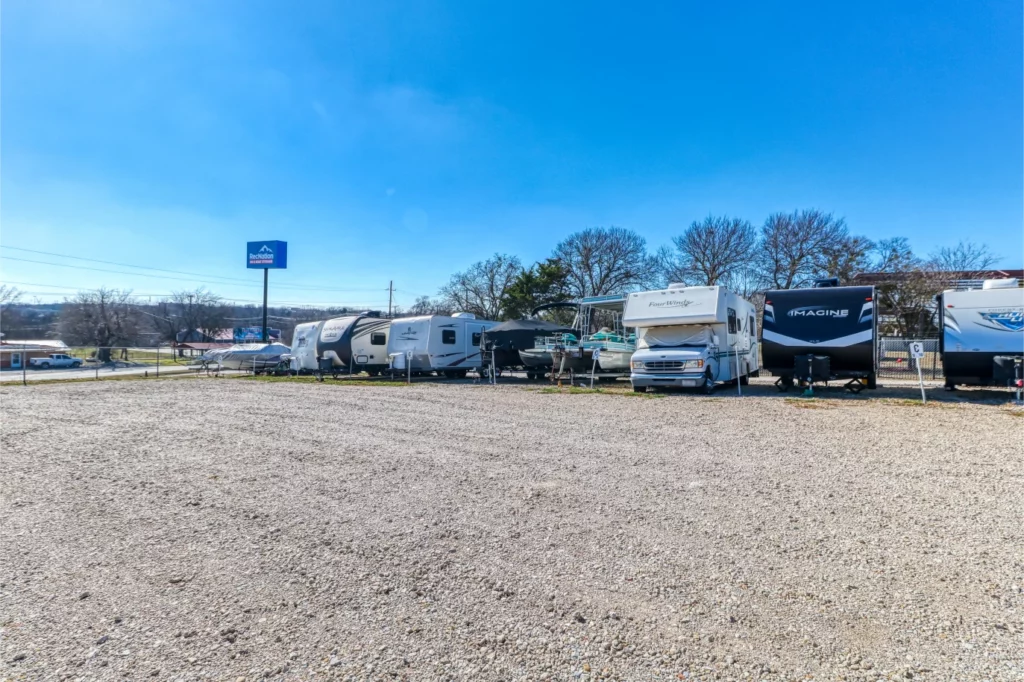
{"points": [[476, 339], [378, 339], [733, 322], [750, 325], [448, 336]]}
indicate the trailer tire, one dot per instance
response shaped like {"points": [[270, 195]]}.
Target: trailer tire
{"points": [[460, 374], [745, 380], [872, 381], [639, 389]]}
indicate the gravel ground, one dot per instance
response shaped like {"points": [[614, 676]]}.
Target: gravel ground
{"points": [[226, 529]]}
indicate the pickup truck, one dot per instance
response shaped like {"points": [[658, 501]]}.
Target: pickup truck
{"points": [[55, 360]]}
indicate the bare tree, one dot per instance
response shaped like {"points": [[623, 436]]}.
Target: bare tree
{"points": [[969, 260], [199, 311], [846, 257], [9, 294], [716, 250], [906, 298], [482, 288], [605, 260], [795, 247], [425, 305], [101, 318]]}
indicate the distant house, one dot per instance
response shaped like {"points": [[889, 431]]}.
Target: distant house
{"points": [[16, 354]]}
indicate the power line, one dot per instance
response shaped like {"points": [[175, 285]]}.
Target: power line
{"points": [[227, 279]]}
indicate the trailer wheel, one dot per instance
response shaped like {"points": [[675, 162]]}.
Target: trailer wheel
{"points": [[709, 382], [745, 380], [639, 389], [872, 381], [461, 374]]}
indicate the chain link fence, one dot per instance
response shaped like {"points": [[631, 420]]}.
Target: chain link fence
{"points": [[894, 361], [32, 363]]}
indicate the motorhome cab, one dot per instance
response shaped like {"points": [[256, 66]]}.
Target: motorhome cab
{"points": [[982, 333], [449, 346], [691, 337]]}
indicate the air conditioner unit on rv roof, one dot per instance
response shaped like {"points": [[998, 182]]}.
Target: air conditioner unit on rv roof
{"points": [[1009, 283], [469, 316]]}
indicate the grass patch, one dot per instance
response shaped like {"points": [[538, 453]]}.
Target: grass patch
{"points": [[910, 402], [808, 403], [1014, 413]]}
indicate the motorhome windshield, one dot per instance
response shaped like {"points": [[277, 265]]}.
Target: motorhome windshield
{"points": [[676, 336]]}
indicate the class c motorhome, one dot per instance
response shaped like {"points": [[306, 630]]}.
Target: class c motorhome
{"points": [[692, 337], [982, 334], [447, 345]]}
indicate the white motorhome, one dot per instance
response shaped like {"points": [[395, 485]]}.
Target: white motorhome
{"points": [[982, 333], [691, 337], [449, 346]]}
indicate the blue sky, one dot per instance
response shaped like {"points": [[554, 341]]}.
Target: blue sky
{"points": [[406, 140]]}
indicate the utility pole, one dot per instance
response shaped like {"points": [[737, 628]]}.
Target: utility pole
{"points": [[391, 292], [266, 272]]}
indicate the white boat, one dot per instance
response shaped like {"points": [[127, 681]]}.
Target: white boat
{"points": [[614, 345], [247, 356]]}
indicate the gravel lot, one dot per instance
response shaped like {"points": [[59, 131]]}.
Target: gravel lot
{"points": [[227, 529]]}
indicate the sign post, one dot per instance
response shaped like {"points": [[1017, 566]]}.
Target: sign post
{"points": [[917, 352], [593, 369], [266, 255]]}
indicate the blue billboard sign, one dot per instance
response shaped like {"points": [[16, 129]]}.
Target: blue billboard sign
{"points": [[254, 334], [267, 255]]}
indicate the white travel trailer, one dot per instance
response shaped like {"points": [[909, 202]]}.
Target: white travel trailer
{"points": [[691, 337], [449, 346], [304, 340], [982, 333]]}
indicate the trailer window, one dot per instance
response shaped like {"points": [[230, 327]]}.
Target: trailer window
{"points": [[378, 339], [733, 322], [448, 336], [476, 339], [752, 325]]}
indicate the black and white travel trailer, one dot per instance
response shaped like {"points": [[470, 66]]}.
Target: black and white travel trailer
{"points": [[982, 340], [449, 346], [821, 334], [691, 337]]}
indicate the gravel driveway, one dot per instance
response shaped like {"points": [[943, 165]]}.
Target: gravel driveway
{"points": [[205, 529]]}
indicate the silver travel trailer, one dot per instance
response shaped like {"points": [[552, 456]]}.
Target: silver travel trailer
{"points": [[691, 337], [449, 346], [982, 340]]}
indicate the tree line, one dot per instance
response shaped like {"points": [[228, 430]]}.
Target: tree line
{"points": [[789, 250]]}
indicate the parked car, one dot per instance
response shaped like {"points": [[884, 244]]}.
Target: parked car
{"points": [[55, 360]]}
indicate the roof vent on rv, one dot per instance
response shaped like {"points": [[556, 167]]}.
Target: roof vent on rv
{"points": [[468, 316], [1008, 283], [677, 285], [824, 283]]}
